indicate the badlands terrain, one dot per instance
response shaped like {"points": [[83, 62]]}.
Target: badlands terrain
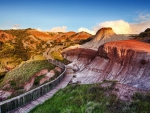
{"points": [[111, 75], [23, 53], [111, 57], [108, 64], [120, 59]]}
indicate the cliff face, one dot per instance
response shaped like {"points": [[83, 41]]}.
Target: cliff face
{"points": [[124, 61], [79, 57]]}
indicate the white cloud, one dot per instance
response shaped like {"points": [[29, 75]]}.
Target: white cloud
{"points": [[142, 22], [119, 26], [16, 26], [139, 27], [39, 29], [123, 27], [142, 17], [86, 30], [59, 29]]}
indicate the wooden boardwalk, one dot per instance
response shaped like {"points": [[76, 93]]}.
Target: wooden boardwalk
{"points": [[40, 100]]}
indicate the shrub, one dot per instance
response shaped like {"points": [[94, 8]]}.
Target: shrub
{"points": [[37, 79]]}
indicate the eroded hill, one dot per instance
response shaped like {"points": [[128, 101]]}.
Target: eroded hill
{"points": [[124, 61], [22, 44]]}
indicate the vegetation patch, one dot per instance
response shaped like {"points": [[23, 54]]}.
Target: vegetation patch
{"points": [[92, 99], [57, 55], [25, 72], [37, 79]]}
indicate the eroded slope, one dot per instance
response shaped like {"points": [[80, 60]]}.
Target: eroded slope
{"points": [[123, 61]]}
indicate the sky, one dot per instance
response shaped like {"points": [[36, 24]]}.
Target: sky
{"points": [[124, 16]]}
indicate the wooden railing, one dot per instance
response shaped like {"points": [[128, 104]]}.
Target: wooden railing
{"points": [[23, 99]]}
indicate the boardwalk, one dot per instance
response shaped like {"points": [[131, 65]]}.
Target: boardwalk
{"points": [[31, 105]]}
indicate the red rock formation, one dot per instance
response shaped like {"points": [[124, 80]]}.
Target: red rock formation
{"points": [[48, 76], [29, 84], [58, 69], [124, 61], [79, 57]]}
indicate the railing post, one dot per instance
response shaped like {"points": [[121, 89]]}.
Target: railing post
{"points": [[0, 109]]}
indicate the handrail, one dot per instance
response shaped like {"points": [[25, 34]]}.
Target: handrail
{"points": [[18, 101]]}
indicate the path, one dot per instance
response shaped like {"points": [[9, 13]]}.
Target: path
{"points": [[40, 100]]}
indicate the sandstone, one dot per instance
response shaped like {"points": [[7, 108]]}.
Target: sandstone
{"points": [[58, 69], [103, 36], [124, 61], [4, 94], [29, 84], [79, 57], [45, 79], [50, 74], [41, 72]]}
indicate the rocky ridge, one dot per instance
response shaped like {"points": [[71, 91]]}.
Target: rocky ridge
{"points": [[102, 36]]}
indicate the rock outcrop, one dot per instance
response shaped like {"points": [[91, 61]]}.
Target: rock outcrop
{"points": [[79, 57], [145, 34], [102, 36], [124, 61], [5, 36], [30, 84], [4, 95]]}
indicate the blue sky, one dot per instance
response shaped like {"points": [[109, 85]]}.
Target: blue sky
{"points": [[72, 14]]}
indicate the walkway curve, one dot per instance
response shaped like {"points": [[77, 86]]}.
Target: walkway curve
{"points": [[42, 99]]}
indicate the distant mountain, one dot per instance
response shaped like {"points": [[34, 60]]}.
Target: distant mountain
{"points": [[102, 36]]}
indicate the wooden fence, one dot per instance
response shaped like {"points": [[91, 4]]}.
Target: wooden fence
{"points": [[18, 101]]}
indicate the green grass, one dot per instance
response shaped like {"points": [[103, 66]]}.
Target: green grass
{"points": [[78, 99], [25, 72], [57, 56], [92, 99]]}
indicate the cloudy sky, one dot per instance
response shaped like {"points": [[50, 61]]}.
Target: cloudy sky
{"points": [[124, 16]]}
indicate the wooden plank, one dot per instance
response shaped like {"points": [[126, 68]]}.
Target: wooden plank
{"points": [[25, 110], [22, 110], [35, 103]]}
